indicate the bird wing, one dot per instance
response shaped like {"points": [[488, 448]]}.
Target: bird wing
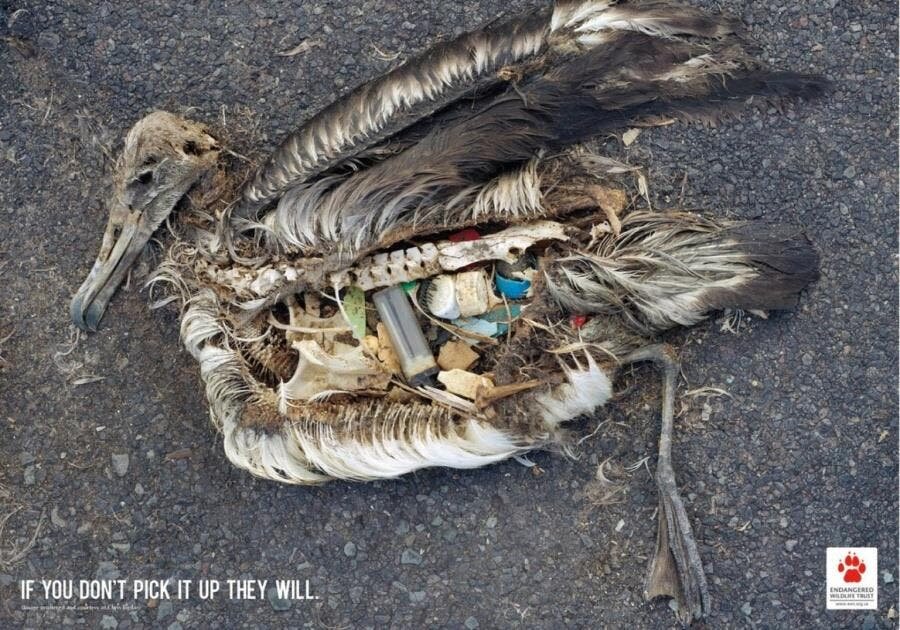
{"points": [[471, 64], [429, 184]]}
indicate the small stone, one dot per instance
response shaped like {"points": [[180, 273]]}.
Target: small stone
{"points": [[888, 577], [869, 622], [26, 458], [807, 358], [410, 557], [471, 623], [673, 605], [417, 596], [356, 594], [350, 550], [29, 475], [402, 528], [122, 547], [107, 571], [850, 172], [56, 519], [139, 490], [120, 464], [108, 622], [164, 610], [747, 608], [48, 40], [6, 579], [277, 604], [175, 626], [790, 544], [491, 523]]}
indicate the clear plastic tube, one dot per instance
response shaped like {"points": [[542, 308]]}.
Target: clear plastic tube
{"points": [[406, 335]]}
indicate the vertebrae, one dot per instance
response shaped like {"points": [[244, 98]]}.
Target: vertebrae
{"points": [[386, 268]]}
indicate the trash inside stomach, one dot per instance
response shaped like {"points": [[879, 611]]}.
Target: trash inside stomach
{"points": [[430, 333]]}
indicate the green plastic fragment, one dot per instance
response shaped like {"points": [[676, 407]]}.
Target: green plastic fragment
{"points": [[409, 287], [355, 308], [501, 315]]}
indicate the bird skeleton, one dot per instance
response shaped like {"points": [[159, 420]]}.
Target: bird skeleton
{"points": [[456, 176]]}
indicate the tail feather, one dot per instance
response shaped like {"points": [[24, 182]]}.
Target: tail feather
{"points": [[784, 261], [672, 269]]}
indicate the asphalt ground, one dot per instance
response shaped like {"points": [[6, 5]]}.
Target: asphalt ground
{"points": [[800, 455]]}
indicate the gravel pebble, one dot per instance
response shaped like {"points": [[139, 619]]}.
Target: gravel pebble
{"points": [[164, 609], [278, 604], [120, 464]]}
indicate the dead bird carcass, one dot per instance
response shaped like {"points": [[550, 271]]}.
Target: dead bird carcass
{"points": [[433, 271]]}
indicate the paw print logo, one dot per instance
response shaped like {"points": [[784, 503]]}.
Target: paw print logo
{"points": [[852, 568]]}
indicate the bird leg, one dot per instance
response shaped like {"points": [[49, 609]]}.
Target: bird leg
{"points": [[676, 569]]}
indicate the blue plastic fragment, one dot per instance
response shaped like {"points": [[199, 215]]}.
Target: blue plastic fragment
{"points": [[512, 288], [478, 326], [491, 324]]}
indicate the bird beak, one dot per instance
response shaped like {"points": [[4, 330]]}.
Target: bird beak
{"points": [[125, 237], [163, 157]]}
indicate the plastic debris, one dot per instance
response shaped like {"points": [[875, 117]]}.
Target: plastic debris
{"points": [[354, 305], [386, 352], [405, 334], [456, 355], [512, 288], [478, 326], [465, 384], [441, 298], [464, 294], [469, 234]]}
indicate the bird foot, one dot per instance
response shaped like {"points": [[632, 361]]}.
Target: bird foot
{"points": [[676, 570]]}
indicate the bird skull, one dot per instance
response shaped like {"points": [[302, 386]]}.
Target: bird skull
{"points": [[163, 156]]}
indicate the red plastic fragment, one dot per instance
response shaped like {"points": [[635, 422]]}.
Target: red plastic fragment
{"points": [[578, 321], [469, 234]]}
